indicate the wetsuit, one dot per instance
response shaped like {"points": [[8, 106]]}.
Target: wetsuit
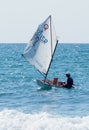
{"points": [[69, 82]]}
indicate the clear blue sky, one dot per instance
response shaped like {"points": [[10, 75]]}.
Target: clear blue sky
{"points": [[20, 18]]}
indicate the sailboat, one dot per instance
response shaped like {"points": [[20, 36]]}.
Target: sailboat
{"points": [[41, 49]]}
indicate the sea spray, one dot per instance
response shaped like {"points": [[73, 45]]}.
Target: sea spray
{"points": [[15, 120]]}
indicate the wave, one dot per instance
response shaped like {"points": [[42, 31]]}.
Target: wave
{"points": [[15, 120]]}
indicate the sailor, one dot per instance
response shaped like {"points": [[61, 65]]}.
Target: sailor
{"points": [[69, 83]]}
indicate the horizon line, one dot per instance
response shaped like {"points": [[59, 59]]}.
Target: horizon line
{"points": [[58, 43]]}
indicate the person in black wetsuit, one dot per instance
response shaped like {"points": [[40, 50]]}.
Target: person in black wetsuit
{"points": [[69, 83]]}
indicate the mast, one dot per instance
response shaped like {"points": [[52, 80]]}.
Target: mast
{"points": [[51, 48]]}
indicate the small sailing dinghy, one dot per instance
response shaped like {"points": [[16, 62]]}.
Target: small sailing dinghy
{"points": [[40, 50]]}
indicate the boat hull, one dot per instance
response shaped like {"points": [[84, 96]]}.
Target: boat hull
{"points": [[47, 84], [44, 85]]}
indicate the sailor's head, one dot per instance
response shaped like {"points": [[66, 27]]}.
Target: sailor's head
{"points": [[68, 75]]}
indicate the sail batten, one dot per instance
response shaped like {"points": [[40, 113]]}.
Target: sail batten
{"points": [[39, 51]]}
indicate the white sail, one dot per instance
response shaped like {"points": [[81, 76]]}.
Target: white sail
{"points": [[41, 47]]}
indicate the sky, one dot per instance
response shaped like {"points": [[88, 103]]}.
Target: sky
{"points": [[19, 19]]}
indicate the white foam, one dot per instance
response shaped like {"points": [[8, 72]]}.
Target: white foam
{"points": [[15, 120]]}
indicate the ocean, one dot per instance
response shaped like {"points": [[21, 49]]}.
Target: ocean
{"points": [[24, 107]]}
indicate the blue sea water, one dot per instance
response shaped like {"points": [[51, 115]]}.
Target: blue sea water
{"points": [[24, 107]]}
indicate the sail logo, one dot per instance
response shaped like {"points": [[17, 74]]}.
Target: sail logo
{"points": [[43, 39], [39, 35], [46, 26]]}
